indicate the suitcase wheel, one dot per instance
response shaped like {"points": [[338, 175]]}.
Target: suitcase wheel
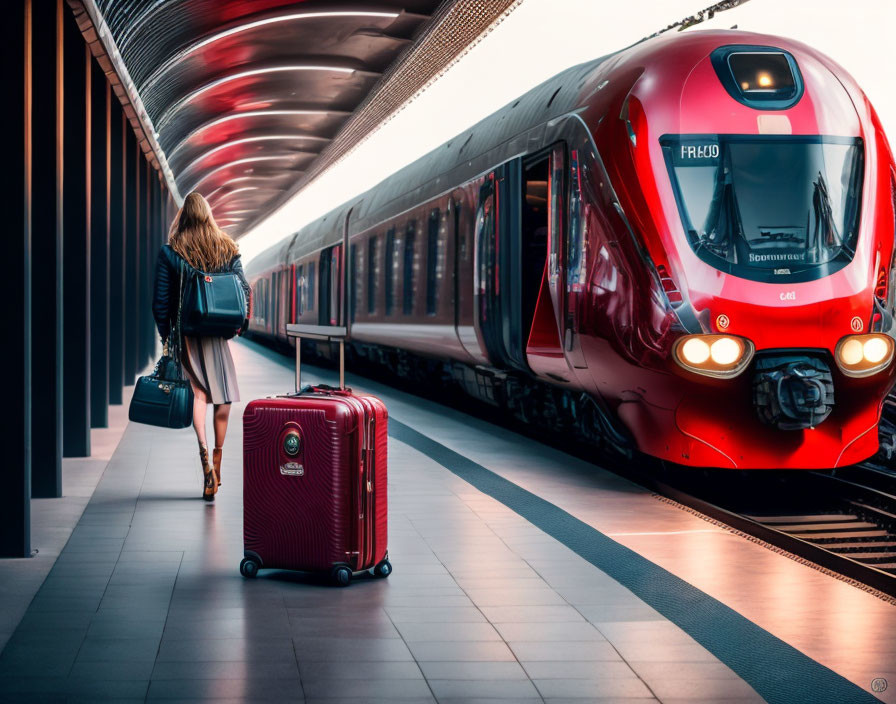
{"points": [[249, 567], [341, 576], [383, 569]]}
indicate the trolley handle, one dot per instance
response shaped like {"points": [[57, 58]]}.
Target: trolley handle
{"points": [[324, 333]]}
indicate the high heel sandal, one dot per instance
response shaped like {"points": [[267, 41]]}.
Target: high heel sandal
{"points": [[216, 462], [210, 481]]}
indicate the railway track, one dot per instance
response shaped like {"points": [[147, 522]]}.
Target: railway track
{"points": [[843, 520], [838, 521]]}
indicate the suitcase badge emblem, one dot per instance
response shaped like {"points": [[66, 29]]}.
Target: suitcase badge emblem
{"points": [[292, 469], [292, 443]]}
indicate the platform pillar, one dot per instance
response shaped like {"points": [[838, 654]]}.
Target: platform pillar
{"points": [[15, 353], [99, 247], [76, 243], [130, 245], [117, 261], [46, 236]]}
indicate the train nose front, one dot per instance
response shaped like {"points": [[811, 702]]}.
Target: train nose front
{"points": [[791, 391]]}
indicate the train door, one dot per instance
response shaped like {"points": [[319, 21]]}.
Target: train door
{"points": [[330, 294], [512, 230], [542, 237], [498, 266], [487, 281]]}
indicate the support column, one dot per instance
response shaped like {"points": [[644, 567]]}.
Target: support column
{"points": [[46, 233], [99, 247], [130, 245], [15, 356], [145, 279], [152, 249], [117, 261], [76, 243], [155, 241], [139, 314]]}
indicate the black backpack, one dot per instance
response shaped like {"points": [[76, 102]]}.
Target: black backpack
{"points": [[214, 304]]}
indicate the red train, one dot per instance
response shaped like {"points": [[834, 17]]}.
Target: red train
{"points": [[686, 246]]}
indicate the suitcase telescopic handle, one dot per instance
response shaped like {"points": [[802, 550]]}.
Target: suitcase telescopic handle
{"points": [[326, 333]]}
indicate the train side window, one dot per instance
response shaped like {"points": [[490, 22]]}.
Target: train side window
{"points": [[353, 280], [408, 280], [391, 269], [309, 293], [371, 274], [272, 290], [432, 259], [300, 289], [334, 283]]}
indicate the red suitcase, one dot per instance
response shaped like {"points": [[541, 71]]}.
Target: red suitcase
{"points": [[314, 483]]}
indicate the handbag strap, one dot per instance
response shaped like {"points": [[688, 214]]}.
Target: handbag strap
{"points": [[178, 342]]}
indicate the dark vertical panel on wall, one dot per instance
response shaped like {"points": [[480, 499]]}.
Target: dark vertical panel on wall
{"points": [[116, 250], [76, 244], [99, 248], [145, 212], [139, 182], [152, 251], [130, 239], [15, 355], [46, 238]]}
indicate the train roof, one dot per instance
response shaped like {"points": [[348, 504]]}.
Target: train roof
{"points": [[442, 168]]}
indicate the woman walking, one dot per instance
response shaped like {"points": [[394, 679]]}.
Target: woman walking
{"points": [[195, 238]]}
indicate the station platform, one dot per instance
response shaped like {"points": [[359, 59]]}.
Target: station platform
{"points": [[521, 575]]}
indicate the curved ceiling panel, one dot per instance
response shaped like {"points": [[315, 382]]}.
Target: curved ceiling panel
{"points": [[242, 147], [322, 124], [266, 166], [244, 95], [362, 40]]}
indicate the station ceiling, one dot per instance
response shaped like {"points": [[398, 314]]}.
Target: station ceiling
{"points": [[243, 96]]}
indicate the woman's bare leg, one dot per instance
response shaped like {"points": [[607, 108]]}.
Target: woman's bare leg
{"points": [[200, 405], [222, 415]]}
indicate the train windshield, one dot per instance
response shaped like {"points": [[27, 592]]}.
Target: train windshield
{"points": [[782, 208]]}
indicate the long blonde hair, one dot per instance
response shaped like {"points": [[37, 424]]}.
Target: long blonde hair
{"points": [[196, 237]]}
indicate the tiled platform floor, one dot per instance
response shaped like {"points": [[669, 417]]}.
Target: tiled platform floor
{"points": [[53, 520], [145, 602]]}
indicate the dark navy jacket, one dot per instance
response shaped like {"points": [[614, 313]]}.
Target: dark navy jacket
{"points": [[167, 287]]}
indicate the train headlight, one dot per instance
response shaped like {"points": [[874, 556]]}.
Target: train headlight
{"points": [[695, 351], [723, 356], [864, 355]]}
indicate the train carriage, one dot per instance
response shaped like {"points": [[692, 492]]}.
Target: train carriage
{"points": [[685, 247]]}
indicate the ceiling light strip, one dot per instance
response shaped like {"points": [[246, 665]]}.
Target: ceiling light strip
{"points": [[181, 55], [251, 113], [249, 140], [235, 163], [190, 97]]}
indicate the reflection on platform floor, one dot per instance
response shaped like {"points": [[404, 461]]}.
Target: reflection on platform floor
{"points": [[146, 602]]}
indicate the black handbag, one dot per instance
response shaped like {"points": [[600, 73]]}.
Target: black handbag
{"points": [[214, 304], [165, 398]]}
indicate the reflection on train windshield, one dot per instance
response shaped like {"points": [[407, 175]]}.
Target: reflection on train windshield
{"points": [[768, 208]]}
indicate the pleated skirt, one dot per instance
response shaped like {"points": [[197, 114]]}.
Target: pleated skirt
{"points": [[209, 363]]}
